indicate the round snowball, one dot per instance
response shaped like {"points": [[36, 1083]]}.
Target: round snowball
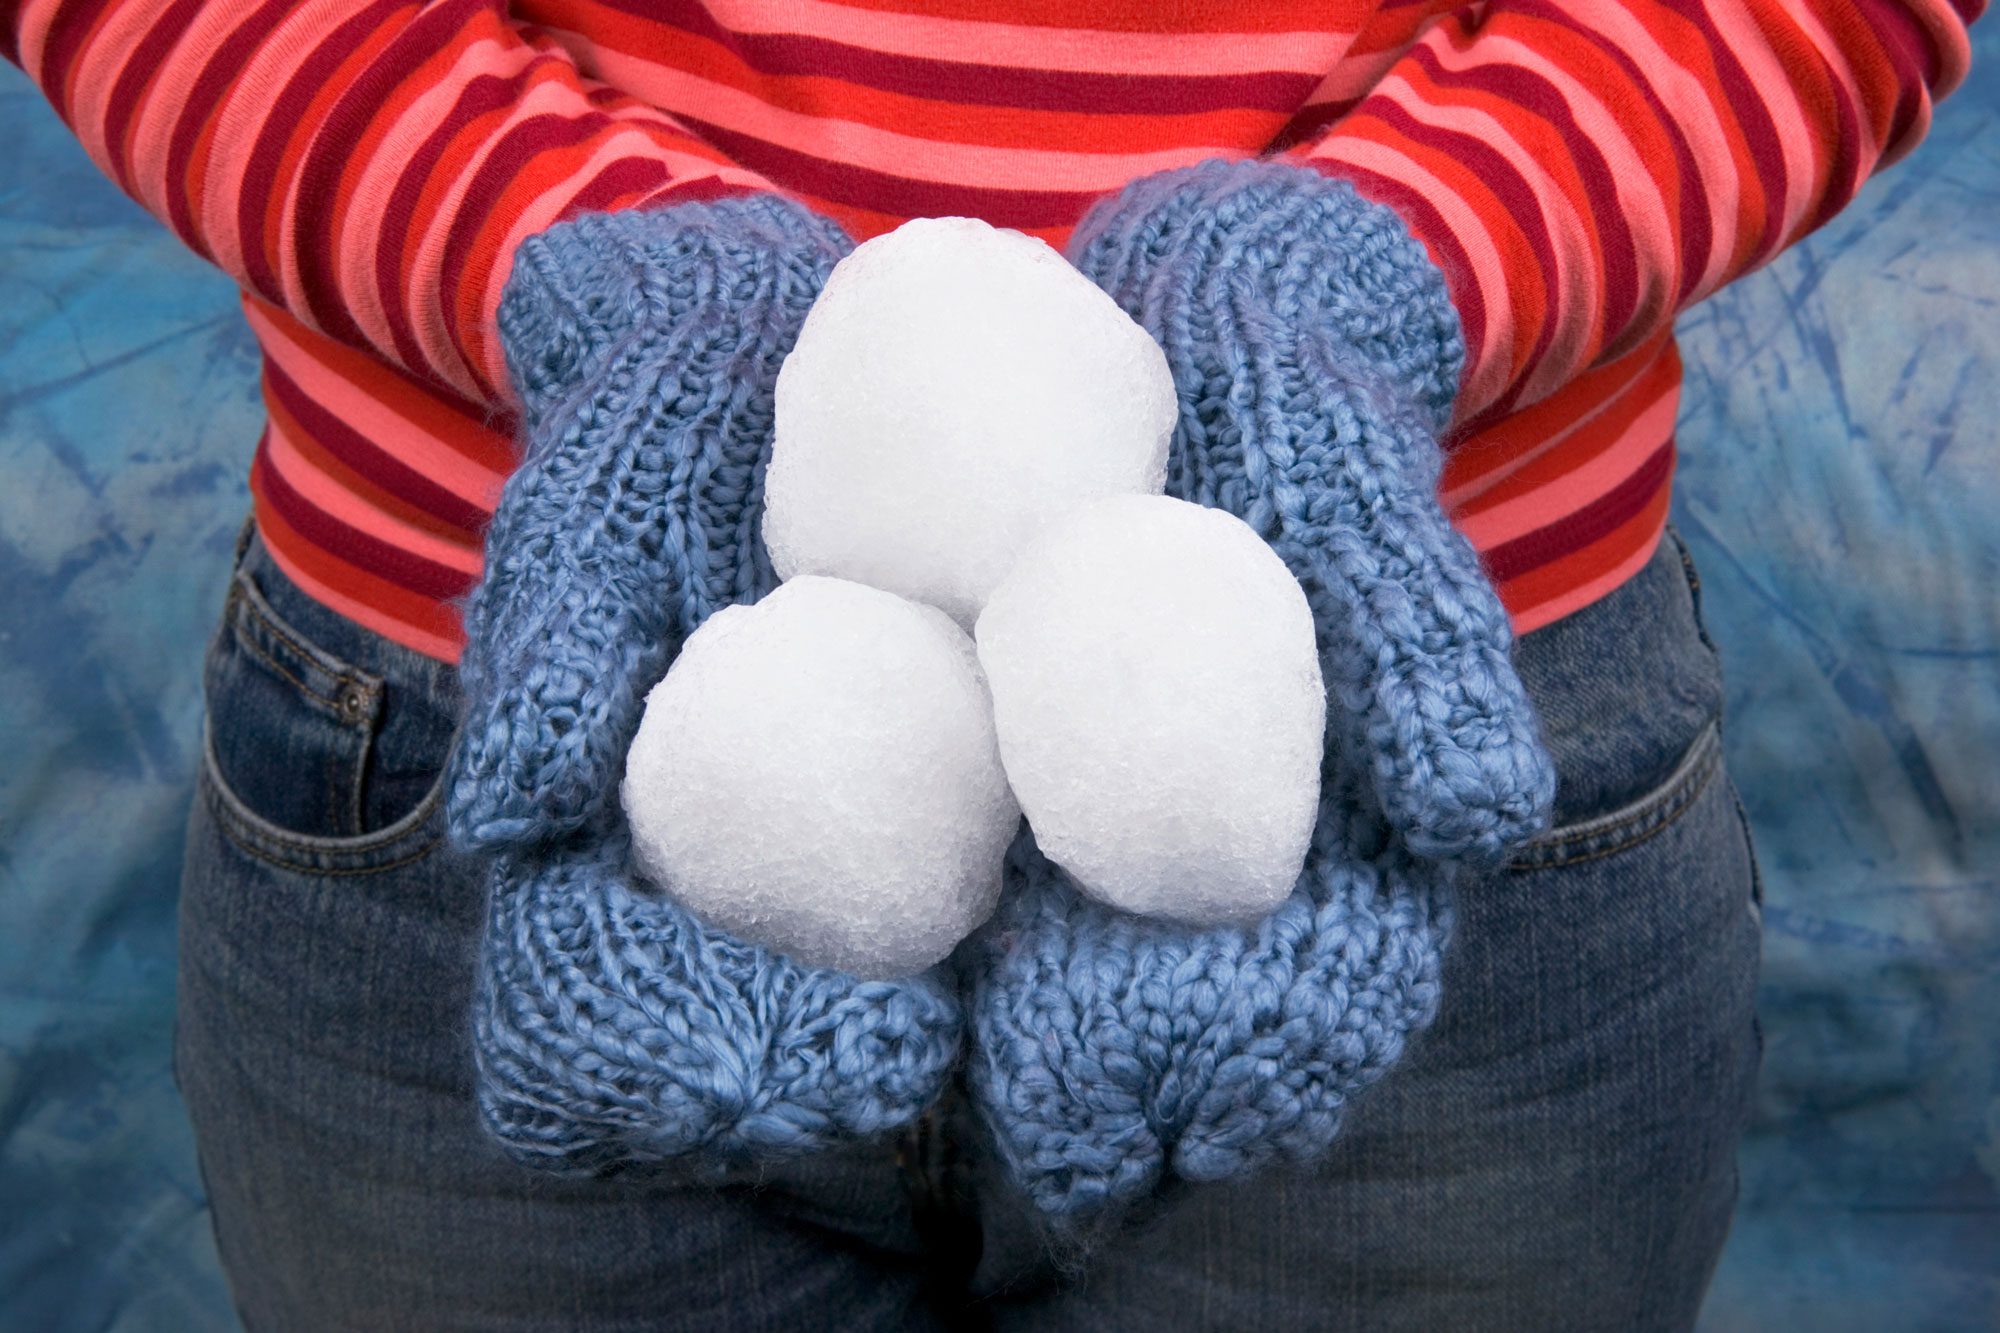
{"points": [[1157, 692], [954, 389], [818, 773]]}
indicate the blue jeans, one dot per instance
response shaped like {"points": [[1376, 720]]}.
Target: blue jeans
{"points": [[1558, 1152]]}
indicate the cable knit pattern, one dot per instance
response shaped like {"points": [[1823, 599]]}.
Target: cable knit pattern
{"points": [[645, 348], [1315, 351], [610, 1024]]}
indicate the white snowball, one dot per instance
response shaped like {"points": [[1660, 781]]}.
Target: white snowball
{"points": [[1161, 713], [818, 773], [954, 389]]}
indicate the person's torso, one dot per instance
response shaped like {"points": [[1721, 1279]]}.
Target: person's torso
{"points": [[1020, 112]]}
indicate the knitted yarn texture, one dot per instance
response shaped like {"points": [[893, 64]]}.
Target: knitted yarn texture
{"points": [[1316, 354], [610, 1024]]}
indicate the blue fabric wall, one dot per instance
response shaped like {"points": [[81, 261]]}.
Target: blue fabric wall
{"points": [[1838, 485]]}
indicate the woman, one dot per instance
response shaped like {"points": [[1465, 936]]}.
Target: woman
{"points": [[1554, 1150]]}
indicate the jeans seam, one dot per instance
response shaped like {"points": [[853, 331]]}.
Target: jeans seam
{"points": [[1750, 851], [1638, 822]]}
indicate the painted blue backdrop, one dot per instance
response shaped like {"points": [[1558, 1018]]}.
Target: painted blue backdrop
{"points": [[1839, 484]]}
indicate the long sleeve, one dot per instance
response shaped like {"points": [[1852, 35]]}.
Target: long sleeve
{"points": [[1582, 171], [367, 165]]}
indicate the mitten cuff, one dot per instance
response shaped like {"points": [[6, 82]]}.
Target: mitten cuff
{"points": [[1305, 247], [583, 286]]}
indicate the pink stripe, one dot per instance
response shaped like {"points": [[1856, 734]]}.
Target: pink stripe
{"points": [[1774, 177], [1558, 234], [1514, 195], [254, 93], [330, 498], [135, 76], [34, 24], [1492, 356], [1454, 499], [851, 144], [428, 271], [900, 196], [385, 560], [365, 615], [357, 247], [1027, 46], [1862, 144], [1638, 220], [1695, 120], [109, 49], [1788, 117], [1575, 489], [412, 445], [1194, 88], [1579, 528], [1555, 608]]}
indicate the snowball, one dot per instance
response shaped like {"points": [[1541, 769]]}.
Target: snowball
{"points": [[954, 389], [1161, 714], [818, 773]]}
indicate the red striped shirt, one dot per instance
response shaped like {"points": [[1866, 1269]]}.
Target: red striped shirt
{"points": [[1581, 171]]}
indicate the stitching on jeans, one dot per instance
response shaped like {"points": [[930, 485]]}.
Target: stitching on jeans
{"points": [[1648, 817], [239, 606], [240, 825], [1644, 835], [343, 672], [225, 819]]}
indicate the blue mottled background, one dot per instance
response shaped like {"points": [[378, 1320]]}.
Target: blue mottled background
{"points": [[1840, 486]]}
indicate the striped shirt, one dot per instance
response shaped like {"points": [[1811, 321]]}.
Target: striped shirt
{"points": [[1581, 170]]}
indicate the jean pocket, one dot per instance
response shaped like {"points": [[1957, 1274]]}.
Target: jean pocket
{"points": [[1635, 821], [289, 746]]}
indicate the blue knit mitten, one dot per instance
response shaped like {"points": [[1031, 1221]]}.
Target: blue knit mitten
{"points": [[1317, 355], [610, 1024]]}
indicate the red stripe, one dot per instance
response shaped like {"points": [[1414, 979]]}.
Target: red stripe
{"points": [[1536, 96], [1753, 118], [624, 181], [901, 195], [263, 194], [1147, 16], [418, 575], [429, 32], [1517, 197], [1696, 233], [1446, 251], [218, 76], [1845, 170], [1543, 546], [694, 190], [786, 55], [397, 605], [479, 433], [514, 151], [313, 457], [1529, 597], [1309, 123], [140, 67], [68, 30], [485, 95], [371, 459]]}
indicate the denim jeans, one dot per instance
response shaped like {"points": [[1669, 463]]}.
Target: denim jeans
{"points": [[1557, 1152]]}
